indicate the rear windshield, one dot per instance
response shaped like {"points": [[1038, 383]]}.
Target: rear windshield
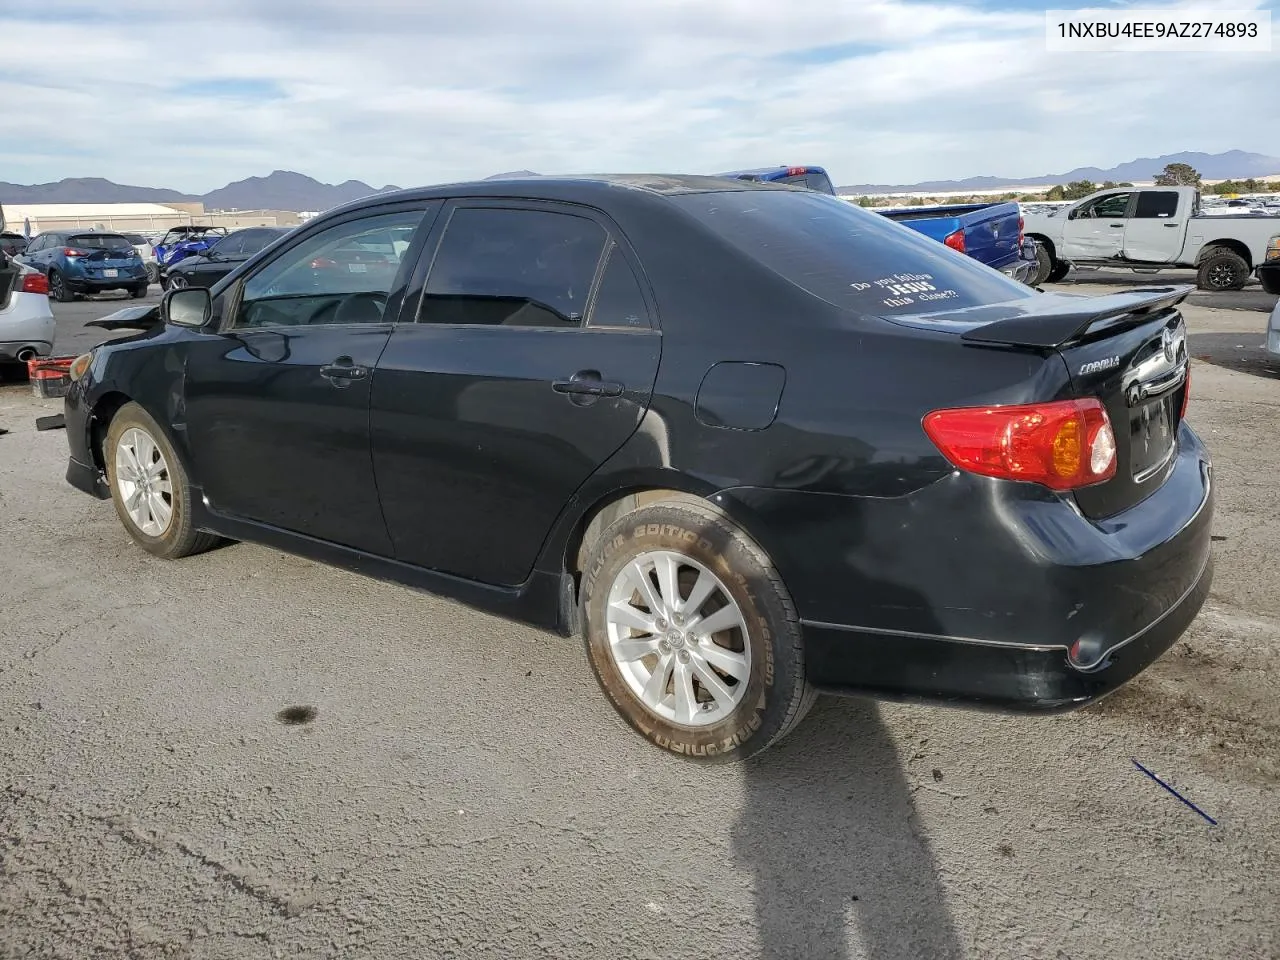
{"points": [[101, 241], [848, 256]]}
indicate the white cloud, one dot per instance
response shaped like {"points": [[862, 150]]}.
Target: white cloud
{"points": [[404, 92]]}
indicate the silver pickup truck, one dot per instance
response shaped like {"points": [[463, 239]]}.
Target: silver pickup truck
{"points": [[1150, 229]]}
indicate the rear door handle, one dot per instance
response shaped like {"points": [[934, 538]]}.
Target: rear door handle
{"points": [[1170, 224], [342, 371], [587, 384], [1117, 226]]}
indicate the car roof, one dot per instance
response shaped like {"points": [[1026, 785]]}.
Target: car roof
{"points": [[581, 188]]}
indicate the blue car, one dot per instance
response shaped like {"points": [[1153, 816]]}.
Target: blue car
{"points": [[80, 262], [815, 178]]}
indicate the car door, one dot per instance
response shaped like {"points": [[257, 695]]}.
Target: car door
{"points": [[1095, 230], [528, 359], [1154, 233], [277, 401]]}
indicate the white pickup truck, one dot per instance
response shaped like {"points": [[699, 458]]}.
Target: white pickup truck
{"points": [[1150, 229]]}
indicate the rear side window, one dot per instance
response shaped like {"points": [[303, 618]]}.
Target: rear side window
{"points": [[848, 256], [1157, 203], [513, 267], [619, 302]]}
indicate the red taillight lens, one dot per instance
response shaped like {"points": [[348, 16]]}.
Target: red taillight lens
{"points": [[1021, 225], [955, 240], [34, 283], [1063, 445], [796, 171], [73, 252], [1186, 394]]}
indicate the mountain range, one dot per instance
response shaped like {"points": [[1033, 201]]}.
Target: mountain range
{"points": [[282, 190], [1232, 165], [285, 190]]}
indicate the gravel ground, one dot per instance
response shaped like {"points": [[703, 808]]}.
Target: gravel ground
{"points": [[451, 785]]}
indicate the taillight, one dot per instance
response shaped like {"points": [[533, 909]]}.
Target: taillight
{"points": [[1186, 394], [796, 171], [73, 252], [1064, 445], [955, 240], [34, 283], [1273, 249], [1021, 225]]}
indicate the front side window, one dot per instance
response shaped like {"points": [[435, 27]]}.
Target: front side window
{"points": [[513, 267], [1111, 207], [330, 277]]}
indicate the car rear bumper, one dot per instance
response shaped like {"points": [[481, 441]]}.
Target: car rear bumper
{"points": [[27, 323], [991, 593], [100, 285]]}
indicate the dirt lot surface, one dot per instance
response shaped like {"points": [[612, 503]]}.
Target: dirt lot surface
{"points": [[246, 755]]}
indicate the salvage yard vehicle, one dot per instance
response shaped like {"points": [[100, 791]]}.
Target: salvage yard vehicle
{"points": [[179, 243], [81, 262], [991, 233], [219, 259], [1151, 229], [835, 456]]}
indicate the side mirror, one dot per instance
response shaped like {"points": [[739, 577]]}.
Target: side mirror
{"points": [[188, 307]]}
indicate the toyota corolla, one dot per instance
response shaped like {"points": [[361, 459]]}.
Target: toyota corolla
{"points": [[749, 441]]}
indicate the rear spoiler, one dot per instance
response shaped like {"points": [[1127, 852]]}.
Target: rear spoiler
{"points": [[130, 318], [1062, 323]]}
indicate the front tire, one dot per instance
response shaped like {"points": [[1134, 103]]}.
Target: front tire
{"points": [[1059, 272], [1044, 264], [692, 634], [149, 486], [58, 288], [178, 282]]}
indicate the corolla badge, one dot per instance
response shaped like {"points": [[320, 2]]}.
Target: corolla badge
{"points": [[1097, 366]]}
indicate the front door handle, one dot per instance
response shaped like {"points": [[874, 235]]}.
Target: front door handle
{"points": [[586, 386], [1170, 224], [1117, 226], [342, 371]]}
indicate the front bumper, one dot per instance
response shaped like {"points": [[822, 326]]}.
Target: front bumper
{"points": [[986, 593]]}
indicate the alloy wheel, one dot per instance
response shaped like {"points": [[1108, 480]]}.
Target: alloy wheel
{"points": [[678, 639], [144, 482]]}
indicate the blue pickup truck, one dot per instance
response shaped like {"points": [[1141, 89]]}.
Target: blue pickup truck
{"points": [[991, 233]]}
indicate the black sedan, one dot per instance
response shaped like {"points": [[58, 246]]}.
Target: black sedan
{"points": [[206, 269], [750, 441]]}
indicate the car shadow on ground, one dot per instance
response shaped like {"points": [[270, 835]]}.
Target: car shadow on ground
{"points": [[830, 834], [1242, 352]]}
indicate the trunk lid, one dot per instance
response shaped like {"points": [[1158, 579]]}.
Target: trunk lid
{"points": [[1127, 350]]}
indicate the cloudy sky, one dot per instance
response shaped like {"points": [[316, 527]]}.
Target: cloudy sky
{"points": [[191, 95]]}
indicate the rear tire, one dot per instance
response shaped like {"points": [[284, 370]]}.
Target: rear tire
{"points": [[157, 511], [178, 282], [734, 692], [139, 291], [1222, 270], [153, 273]]}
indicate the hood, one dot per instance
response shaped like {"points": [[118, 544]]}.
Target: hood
{"points": [[130, 318]]}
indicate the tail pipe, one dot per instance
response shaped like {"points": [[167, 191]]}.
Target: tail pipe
{"points": [[26, 354]]}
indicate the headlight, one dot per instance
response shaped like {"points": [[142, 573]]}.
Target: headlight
{"points": [[80, 365]]}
